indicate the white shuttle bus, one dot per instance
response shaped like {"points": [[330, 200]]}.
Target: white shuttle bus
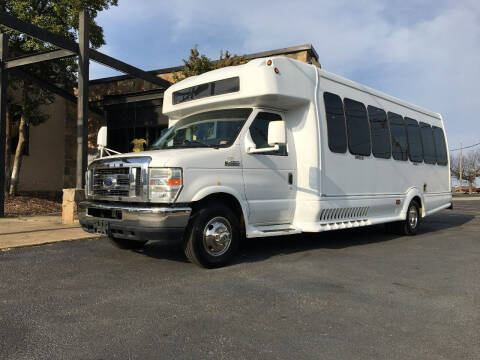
{"points": [[272, 147]]}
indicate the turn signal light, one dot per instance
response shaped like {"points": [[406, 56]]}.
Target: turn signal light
{"points": [[174, 182]]}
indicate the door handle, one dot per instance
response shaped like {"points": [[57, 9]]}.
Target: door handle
{"points": [[290, 178]]}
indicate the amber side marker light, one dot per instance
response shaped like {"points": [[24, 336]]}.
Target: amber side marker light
{"points": [[277, 71], [269, 62], [174, 182]]}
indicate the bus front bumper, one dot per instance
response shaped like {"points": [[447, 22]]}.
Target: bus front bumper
{"points": [[134, 222]]}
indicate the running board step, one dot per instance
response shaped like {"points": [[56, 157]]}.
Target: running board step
{"points": [[272, 232]]}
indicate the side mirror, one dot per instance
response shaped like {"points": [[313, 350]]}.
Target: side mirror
{"points": [[276, 137], [276, 133], [102, 137]]}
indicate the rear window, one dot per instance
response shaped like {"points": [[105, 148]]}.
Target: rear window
{"points": [[381, 146], [415, 149], [398, 135], [440, 145], [358, 129], [337, 135]]}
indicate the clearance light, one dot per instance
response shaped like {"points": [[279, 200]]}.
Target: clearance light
{"points": [[277, 71], [269, 62]]}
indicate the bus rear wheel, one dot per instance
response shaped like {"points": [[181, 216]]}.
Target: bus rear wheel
{"points": [[410, 225]]}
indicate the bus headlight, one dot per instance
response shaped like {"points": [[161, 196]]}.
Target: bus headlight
{"points": [[164, 184]]}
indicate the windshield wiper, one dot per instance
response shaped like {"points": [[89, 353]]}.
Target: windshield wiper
{"points": [[186, 142]]}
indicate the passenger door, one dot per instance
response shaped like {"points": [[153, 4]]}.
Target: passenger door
{"points": [[270, 177]]}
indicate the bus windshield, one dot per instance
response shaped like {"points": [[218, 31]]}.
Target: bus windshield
{"points": [[218, 128]]}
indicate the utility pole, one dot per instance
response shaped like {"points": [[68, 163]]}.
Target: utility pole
{"points": [[461, 170], [475, 173]]}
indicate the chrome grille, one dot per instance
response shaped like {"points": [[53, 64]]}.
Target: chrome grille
{"points": [[118, 179]]}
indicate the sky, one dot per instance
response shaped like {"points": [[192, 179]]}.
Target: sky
{"points": [[425, 52]]}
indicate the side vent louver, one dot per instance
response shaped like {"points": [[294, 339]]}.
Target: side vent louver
{"points": [[344, 213]]}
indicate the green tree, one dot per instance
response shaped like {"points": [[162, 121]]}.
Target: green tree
{"points": [[197, 64], [25, 99]]}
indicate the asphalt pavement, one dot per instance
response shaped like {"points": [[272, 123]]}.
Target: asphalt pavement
{"points": [[356, 294]]}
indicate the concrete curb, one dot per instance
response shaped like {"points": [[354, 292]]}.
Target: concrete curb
{"points": [[40, 230], [19, 246]]}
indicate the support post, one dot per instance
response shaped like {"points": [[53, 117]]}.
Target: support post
{"points": [[82, 105], [3, 118]]}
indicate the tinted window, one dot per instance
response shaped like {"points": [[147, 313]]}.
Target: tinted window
{"points": [[259, 132], [358, 129], [428, 145], [398, 135], [381, 146], [219, 87], [415, 150], [226, 86], [440, 146], [337, 136]]}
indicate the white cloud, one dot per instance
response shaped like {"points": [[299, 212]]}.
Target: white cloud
{"points": [[427, 53], [430, 57]]}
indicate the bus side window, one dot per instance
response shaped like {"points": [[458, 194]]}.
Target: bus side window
{"points": [[440, 146], [428, 145], [398, 135], [358, 130], [415, 149], [381, 145], [337, 135]]}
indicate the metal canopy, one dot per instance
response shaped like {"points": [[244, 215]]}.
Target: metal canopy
{"points": [[67, 48]]}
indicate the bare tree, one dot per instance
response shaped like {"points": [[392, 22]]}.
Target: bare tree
{"points": [[470, 168]]}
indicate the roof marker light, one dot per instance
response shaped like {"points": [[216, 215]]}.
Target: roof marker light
{"points": [[269, 62], [277, 71]]}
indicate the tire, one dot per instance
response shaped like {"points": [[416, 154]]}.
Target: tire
{"points": [[213, 236], [127, 244], [410, 225]]}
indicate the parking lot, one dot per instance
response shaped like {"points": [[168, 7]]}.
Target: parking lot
{"points": [[357, 294]]}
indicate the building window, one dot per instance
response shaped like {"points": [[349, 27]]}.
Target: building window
{"points": [[337, 136], [440, 146], [381, 145], [398, 136], [428, 145], [259, 132], [415, 150]]}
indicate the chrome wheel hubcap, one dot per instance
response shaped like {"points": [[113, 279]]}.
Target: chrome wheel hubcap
{"points": [[412, 217], [217, 236]]}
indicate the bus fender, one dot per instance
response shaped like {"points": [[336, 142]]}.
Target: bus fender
{"points": [[212, 190], [412, 193]]}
